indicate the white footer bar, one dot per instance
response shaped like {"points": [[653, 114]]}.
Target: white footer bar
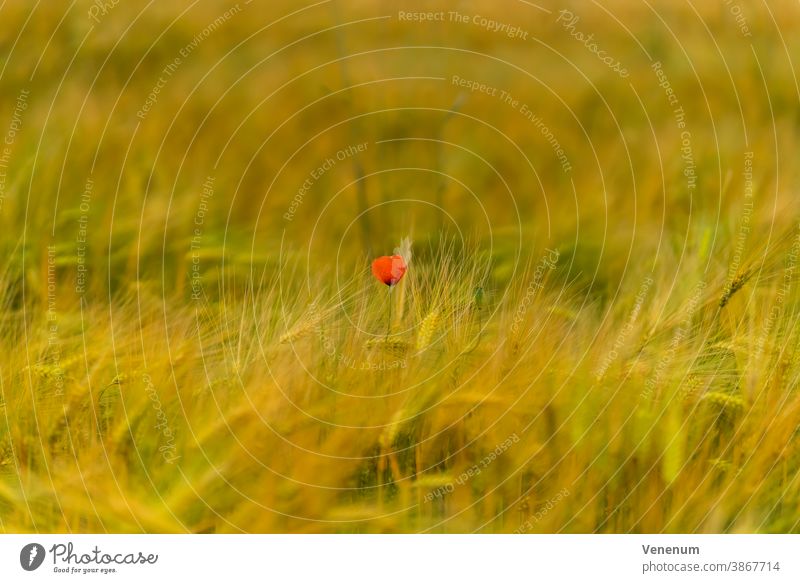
{"points": [[401, 558]]}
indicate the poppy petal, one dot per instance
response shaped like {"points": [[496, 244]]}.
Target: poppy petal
{"points": [[389, 269]]}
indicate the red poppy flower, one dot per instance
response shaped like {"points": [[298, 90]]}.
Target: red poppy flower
{"points": [[389, 269]]}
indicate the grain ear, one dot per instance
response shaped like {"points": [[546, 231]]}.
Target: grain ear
{"points": [[404, 249]]}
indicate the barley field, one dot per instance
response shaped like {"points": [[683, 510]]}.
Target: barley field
{"points": [[594, 328]]}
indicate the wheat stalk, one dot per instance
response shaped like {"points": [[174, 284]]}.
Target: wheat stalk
{"points": [[427, 329]]}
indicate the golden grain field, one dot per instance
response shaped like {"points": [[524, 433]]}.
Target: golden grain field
{"points": [[597, 328]]}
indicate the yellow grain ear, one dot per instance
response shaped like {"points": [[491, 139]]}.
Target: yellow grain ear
{"points": [[428, 329], [404, 249]]}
